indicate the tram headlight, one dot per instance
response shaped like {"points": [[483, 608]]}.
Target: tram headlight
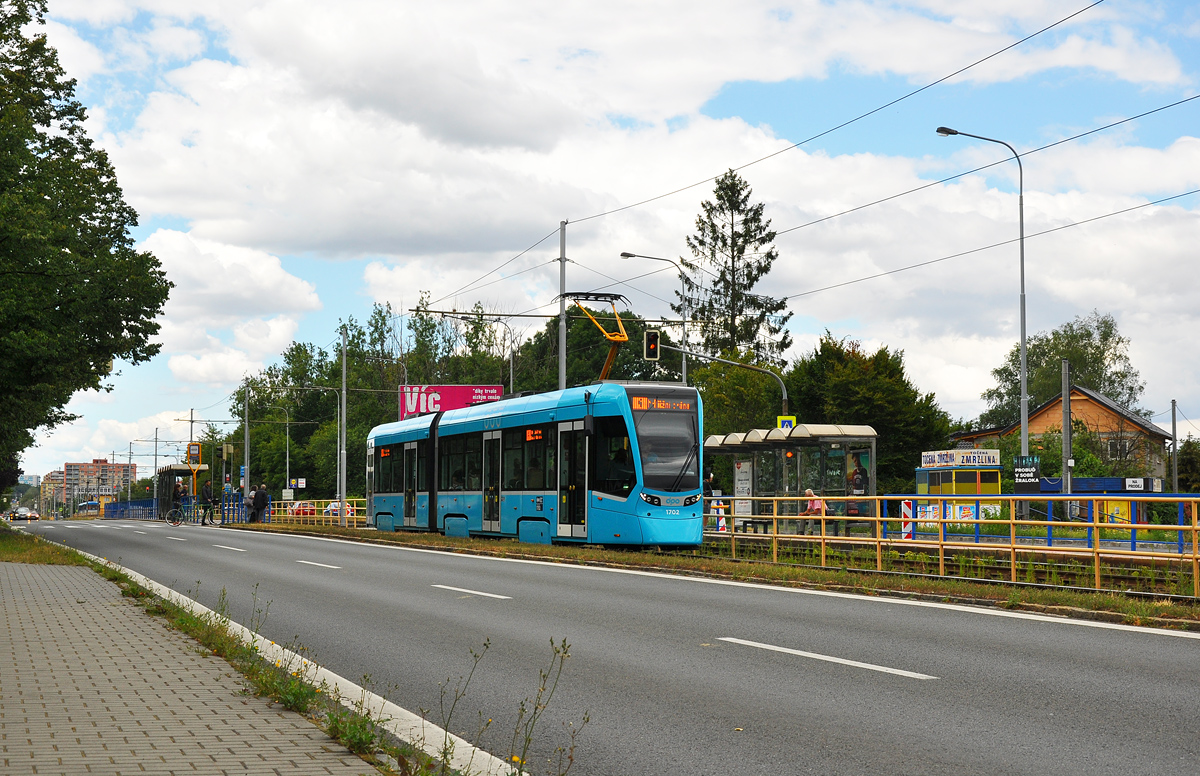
{"points": [[652, 500], [687, 502]]}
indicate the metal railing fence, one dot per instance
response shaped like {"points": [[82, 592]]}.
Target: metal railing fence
{"points": [[322, 512], [955, 527]]}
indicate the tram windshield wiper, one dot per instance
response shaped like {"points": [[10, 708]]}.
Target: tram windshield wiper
{"points": [[692, 451]]}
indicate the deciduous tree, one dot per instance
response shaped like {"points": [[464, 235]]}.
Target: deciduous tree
{"points": [[74, 293]]}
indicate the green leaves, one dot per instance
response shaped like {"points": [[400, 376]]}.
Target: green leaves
{"points": [[733, 251], [75, 294]]}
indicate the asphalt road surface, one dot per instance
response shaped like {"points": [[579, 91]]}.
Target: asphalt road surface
{"points": [[688, 676]]}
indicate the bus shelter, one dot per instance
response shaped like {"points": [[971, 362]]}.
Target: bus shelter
{"points": [[167, 477], [833, 460]]}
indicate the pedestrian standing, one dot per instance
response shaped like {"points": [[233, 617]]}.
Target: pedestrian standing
{"points": [[260, 503], [206, 504], [250, 505]]}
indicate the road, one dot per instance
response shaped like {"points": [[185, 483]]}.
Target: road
{"points": [[689, 676]]}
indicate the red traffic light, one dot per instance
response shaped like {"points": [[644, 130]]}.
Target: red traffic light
{"points": [[650, 350]]}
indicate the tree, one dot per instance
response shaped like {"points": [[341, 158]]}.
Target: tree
{"points": [[733, 251], [74, 293], [1099, 358], [1189, 466], [839, 383], [586, 351]]}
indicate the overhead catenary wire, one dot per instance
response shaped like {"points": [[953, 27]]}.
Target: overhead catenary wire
{"points": [[985, 167], [782, 150], [847, 123], [988, 247]]}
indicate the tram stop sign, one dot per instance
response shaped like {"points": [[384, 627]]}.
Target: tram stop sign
{"points": [[785, 421]]}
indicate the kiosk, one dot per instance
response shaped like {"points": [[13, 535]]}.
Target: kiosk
{"points": [[948, 475]]}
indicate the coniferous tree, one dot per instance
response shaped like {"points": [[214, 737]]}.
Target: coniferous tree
{"points": [[732, 251]]}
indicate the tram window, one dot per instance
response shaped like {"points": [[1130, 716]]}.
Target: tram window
{"points": [[513, 471], [450, 463], [539, 458], [473, 461], [422, 465], [612, 460], [383, 469]]}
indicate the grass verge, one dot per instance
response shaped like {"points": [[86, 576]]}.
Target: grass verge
{"points": [[1111, 607], [355, 727]]}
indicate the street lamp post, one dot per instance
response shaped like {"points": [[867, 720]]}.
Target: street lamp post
{"points": [[946, 132], [682, 296]]}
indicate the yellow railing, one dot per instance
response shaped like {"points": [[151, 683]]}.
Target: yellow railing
{"points": [[1006, 532], [319, 512]]}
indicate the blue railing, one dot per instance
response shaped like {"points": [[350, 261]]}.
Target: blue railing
{"points": [[226, 507]]}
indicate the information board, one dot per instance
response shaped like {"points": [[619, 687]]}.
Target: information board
{"points": [[1027, 474]]}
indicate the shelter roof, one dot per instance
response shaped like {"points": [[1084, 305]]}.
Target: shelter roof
{"points": [[799, 435]]}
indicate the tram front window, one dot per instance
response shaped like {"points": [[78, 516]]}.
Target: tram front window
{"points": [[669, 447]]}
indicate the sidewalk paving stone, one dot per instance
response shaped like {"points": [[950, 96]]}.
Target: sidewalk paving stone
{"points": [[92, 684]]}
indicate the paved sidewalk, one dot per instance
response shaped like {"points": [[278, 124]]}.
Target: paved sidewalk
{"points": [[90, 683]]}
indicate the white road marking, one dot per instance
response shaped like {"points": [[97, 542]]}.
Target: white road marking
{"points": [[828, 658], [223, 547], [141, 532], [314, 563], [177, 538], [473, 592], [877, 600]]}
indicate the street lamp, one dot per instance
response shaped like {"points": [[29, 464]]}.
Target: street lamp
{"points": [[287, 421], [682, 296], [946, 132]]}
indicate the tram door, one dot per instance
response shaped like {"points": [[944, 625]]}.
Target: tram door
{"points": [[572, 480], [409, 484], [491, 481]]}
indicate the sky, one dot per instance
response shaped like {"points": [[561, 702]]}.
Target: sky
{"points": [[295, 161]]}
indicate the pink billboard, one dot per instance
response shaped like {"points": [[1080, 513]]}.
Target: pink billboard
{"points": [[422, 399]]}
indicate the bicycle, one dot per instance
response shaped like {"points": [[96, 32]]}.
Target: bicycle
{"points": [[175, 517]]}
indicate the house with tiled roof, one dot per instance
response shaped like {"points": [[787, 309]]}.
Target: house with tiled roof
{"points": [[1126, 437]]}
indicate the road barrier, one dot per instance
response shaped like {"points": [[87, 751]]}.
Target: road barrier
{"points": [[996, 537]]}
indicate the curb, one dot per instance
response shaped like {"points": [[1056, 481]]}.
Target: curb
{"points": [[400, 722]]}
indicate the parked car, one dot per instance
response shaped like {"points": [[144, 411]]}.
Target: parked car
{"points": [[302, 508], [333, 506]]}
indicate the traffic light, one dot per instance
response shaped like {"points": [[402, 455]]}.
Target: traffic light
{"points": [[219, 451], [650, 346]]}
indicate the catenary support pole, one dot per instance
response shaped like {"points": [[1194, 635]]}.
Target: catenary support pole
{"points": [[562, 305], [1174, 452], [1066, 426], [342, 441], [246, 454]]}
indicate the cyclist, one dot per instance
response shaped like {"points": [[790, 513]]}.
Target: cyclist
{"points": [[206, 504]]}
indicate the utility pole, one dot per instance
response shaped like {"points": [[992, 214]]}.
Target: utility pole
{"points": [[156, 471], [191, 423], [1174, 452], [1066, 426], [342, 440], [562, 305], [129, 476], [246, 440]]}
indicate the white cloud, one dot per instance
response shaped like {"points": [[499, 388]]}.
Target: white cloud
{"points": [[220, 368]]}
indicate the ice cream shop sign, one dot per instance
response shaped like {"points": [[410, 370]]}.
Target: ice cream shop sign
{"points": [[955, 458]]}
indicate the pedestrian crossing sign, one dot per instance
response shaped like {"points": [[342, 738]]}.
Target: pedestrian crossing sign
{"points": [[786, 421]]}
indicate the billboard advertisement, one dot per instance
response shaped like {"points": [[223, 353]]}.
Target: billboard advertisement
{"points": [[423, 399]]}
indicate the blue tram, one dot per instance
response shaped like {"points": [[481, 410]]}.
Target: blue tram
{"points": [[611, 463]]}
